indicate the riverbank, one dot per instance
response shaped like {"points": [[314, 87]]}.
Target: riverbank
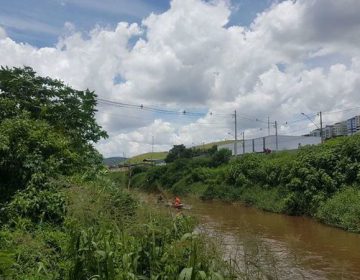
{"points": [[321, 181], [95, 229]]}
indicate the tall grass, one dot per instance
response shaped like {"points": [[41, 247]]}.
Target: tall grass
{"points": [[342, 210], [106, 234]]}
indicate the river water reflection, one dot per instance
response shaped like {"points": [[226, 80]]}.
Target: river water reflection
{"points": [[303, 248]]}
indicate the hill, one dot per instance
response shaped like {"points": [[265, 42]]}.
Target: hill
{"points": [[111, 161], [140, 158]]}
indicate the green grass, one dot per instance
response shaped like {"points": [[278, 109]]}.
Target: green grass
{"points": [[342, 210], [140, 158], [107, 234]]}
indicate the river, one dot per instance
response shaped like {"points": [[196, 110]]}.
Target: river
{"points": [[285, 247]]}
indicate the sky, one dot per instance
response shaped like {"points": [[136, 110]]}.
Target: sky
{"points": [[264, 59]]}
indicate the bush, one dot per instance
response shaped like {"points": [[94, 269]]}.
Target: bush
{"points": [[40, 202], [46, 127], [220, 157], [37, 255], [342, 210], [28, 147], [99, 203]]}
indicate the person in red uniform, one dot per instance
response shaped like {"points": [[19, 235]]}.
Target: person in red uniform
{"points": [[177, 202]]}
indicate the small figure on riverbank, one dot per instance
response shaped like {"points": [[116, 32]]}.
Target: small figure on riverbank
{"points": [[177, 203]]}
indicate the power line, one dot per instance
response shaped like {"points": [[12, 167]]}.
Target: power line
{"points": [[224, 125], [152, 109], [340, 111], [156, 109]]}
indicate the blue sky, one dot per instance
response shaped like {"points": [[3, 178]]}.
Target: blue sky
{"points": [[41, 22]]}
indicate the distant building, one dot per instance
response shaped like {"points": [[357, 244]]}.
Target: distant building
{"points": [[357, 123], [340, 129], [353, 125], [328, 131], [155, 161], [268, 143], [315, 133]]}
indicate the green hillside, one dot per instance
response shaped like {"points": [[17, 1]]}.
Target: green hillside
{"points": [[113, 161], [140, 158]]}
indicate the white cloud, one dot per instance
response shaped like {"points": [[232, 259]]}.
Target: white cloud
{"points": [[27, 24], [297, 56]]}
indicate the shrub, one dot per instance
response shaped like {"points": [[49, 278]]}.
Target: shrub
{"points": [[40, 202], [342, 210], [220, 157]]}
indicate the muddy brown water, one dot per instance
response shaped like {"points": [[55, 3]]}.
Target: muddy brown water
{"points": [[301, 247]]}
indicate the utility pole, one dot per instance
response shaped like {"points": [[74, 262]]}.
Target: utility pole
{"points": [[268, 126], [243, 144], [152, 148], [276, 136], [321, 128], [235, 144], [152, 144]]}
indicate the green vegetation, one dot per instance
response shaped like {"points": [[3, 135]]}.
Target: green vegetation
{"points": [[319, 181], [140, 158], [98, 231], [207, 146], [46, 130], [342, 210], [181, 152], [113, 161], [62, 216], [163, 155]]}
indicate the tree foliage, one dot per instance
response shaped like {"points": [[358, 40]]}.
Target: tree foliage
{"points": [[181, 152], [177, 152], [46, 128], [69, 111]]}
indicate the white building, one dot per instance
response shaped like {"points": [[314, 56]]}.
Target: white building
{"points": [[269, 142], [340, 129], [328, 131], [353, 125], [315, 133]]}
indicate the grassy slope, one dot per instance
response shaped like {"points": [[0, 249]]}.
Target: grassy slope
{"points": [[113, 160], [140, 158]]}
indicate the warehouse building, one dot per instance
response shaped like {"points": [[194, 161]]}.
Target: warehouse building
{"points": [[269, 143]]}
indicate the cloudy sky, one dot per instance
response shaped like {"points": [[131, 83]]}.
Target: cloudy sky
{"points": [[208, 58]]}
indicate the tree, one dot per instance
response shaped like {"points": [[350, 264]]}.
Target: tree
{"points": [[46, 129], [178, 151], [70, 111], [220, 157]]}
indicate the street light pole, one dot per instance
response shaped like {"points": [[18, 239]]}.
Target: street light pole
{"points": [[243, 143], [276, 136], [321, 124], [321, 128]]}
